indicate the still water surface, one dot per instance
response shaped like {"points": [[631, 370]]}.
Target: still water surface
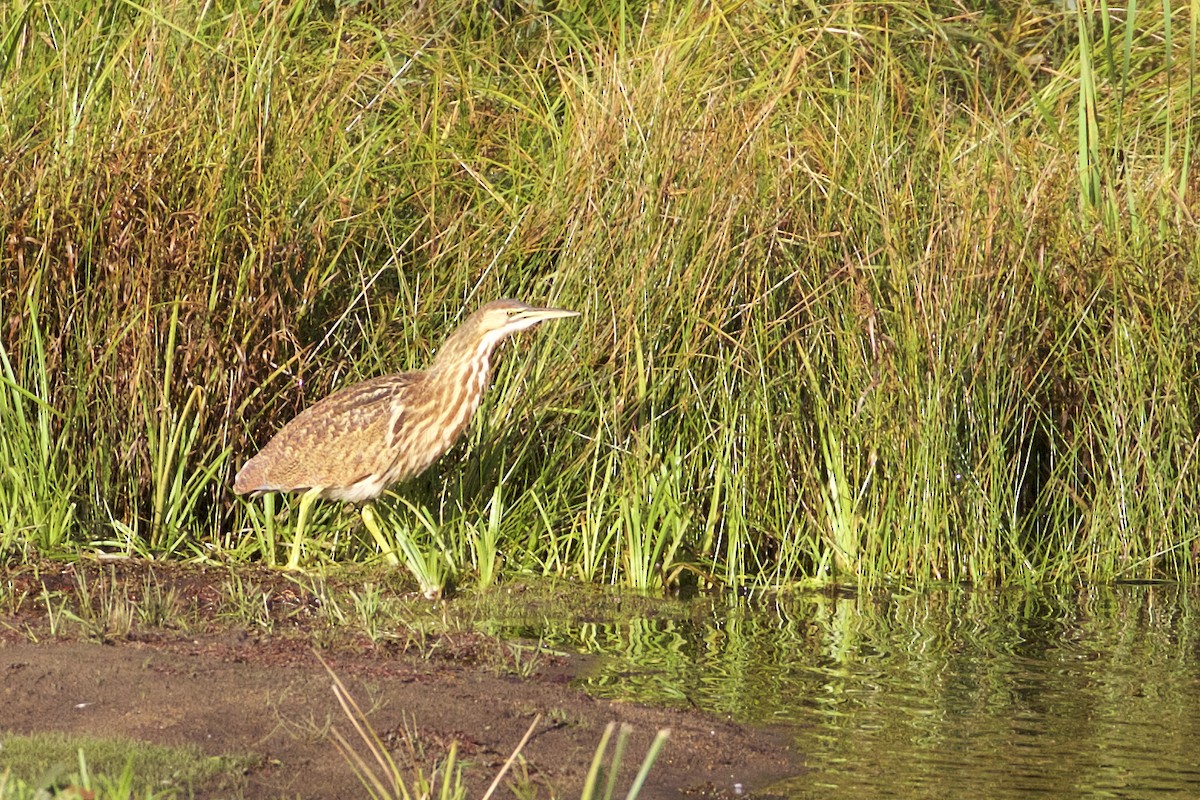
{"points": [[949, 693]]}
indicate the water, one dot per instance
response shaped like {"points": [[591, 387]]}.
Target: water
{"points": [[949, 693]]}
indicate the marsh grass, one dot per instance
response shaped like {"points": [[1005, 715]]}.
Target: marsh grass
{"points": [[870, 292], [39, 485], [424, 548]]}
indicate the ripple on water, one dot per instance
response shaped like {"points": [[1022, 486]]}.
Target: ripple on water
{"points": [[948, 693]]}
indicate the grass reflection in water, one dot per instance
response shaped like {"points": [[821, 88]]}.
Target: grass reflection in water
{"points": [[1085, 691]]}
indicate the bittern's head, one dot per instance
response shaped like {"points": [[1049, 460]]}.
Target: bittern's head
{"points": [[492, 324], [509, 316]]}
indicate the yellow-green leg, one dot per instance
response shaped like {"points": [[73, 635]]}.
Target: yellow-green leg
{"points": [[269, 523], [306, 502], [369, 519]]}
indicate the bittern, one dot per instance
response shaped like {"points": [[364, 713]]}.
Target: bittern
{"points": [[360, 440]]}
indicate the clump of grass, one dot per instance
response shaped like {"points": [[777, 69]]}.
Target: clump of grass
{"points": [[893, 296], [55, 764], [40, 481], [102, 610]]}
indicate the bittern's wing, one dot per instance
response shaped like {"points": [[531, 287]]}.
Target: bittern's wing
{"points": [[336, 443]]}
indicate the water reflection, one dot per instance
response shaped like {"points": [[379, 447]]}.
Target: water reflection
{"points": [[951, 693]]}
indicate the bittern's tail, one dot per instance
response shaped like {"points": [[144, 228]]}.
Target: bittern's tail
{"points": [[250, 479]]}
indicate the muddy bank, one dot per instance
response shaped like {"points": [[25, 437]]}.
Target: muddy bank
{"points": [[201, 679]]}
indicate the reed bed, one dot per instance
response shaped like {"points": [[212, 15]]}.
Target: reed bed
{"points": [[871, 292]]}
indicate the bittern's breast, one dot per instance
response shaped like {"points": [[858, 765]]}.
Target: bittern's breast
{"points": [[426, 431]]}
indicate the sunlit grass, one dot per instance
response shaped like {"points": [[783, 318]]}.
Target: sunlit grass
{"points": [[39, 483], [52, 764], [869, 292]]}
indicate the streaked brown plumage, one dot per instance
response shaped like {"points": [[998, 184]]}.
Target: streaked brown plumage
{"points": [[360, 440]]}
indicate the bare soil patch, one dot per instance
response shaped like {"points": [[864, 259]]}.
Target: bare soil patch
{"points": [[203, 677]]}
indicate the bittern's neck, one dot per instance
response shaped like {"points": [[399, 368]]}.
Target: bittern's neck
{"points": [[466, 357], [458, 377]]}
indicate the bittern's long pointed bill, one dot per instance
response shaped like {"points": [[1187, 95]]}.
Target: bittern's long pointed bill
{"points": [[528, 317]]}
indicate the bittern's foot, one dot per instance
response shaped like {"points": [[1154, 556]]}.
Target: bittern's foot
{"points": [[372, 522]]}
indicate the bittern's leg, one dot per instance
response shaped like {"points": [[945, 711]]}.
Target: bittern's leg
{"points": [[372, 523], [306, 502], [269, 521]]}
